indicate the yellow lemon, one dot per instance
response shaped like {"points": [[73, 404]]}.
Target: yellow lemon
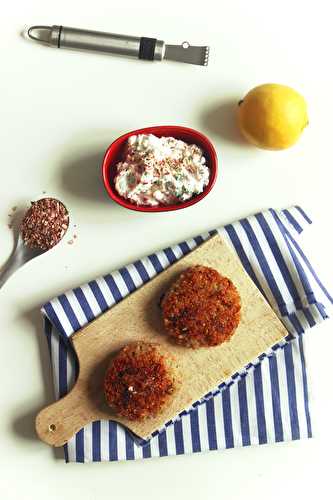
{"points": [[272, 116]]}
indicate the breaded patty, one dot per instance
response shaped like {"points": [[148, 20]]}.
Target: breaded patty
{"points": [[139, 381], [202, 308]]}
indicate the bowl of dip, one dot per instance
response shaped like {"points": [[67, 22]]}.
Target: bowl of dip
{"points": [[159, 169]]}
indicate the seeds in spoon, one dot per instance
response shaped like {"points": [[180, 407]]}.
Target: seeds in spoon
{"points": [[44, 224]]}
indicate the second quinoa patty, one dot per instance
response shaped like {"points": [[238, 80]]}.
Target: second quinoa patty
{"points": [[139, 381], [202, 308]]}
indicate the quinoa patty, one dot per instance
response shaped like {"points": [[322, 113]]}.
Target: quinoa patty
{"points": [[139, 381], [201, 309]]}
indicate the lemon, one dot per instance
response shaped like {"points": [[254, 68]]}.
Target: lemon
{"points": [[272, 116]]}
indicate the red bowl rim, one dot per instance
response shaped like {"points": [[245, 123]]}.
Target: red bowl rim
{"points": [[174, 130]]}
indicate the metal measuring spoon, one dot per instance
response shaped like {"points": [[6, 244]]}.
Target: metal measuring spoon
{"points": [[43, 226]]}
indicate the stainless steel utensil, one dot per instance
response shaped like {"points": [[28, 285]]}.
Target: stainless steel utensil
{"points": [[149, 49], [20, 256]]}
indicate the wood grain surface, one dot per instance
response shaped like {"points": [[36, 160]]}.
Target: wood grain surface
{"points": [[138, 317]]}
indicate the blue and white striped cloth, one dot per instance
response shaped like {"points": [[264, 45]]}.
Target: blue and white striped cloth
{"points": [[264, 403]]}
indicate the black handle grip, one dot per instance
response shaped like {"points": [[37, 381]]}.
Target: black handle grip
{"points": [[147, 48]]}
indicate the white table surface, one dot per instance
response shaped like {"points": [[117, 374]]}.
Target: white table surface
{"points": [[59, 111]]}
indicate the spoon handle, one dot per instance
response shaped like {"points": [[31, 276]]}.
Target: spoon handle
{"points": [[19, 257], [6, 272]]}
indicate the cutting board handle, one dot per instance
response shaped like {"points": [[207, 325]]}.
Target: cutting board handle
{"points": [[58, 422]]}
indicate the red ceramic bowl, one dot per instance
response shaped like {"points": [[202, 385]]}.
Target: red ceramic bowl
{"points": [[115, 151]]}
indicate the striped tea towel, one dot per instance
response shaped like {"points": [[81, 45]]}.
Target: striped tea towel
{"points": [[264, 403]]}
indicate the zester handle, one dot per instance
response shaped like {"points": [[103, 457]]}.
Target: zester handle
{"points": [[99, 41]]}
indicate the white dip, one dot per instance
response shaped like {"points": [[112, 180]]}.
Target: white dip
{"points": [[160, 171]]}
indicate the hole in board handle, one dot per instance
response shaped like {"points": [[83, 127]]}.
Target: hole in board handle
{"points": [[52, 427]]}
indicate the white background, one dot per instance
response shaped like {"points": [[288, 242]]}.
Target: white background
{"points": [[59, 111]]}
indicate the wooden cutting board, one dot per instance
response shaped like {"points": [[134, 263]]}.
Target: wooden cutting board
{"points": [[138, 317]]}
